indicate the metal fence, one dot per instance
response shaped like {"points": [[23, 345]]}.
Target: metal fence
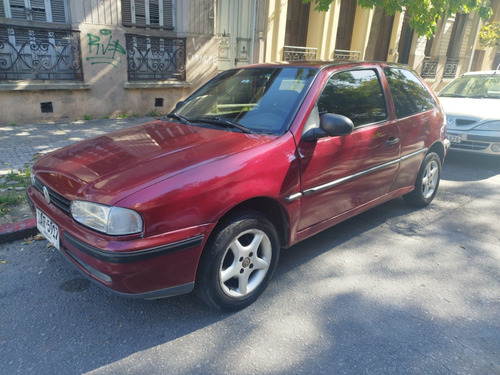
{"points": [[39, 54], [291, 53], [450, 68], [155, 58], [340, 54], [429, 68]]}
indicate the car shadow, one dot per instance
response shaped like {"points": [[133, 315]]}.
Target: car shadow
{"points": [[477, 167]]}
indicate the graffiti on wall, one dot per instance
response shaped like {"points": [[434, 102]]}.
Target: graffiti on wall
{"points": [[201, 59], [103, 49]]}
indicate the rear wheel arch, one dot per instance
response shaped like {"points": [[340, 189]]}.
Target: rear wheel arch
{"points": [[438, 148]]}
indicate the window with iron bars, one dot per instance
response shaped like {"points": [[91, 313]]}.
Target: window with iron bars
{"points": [[34, 50], [155, 58]]}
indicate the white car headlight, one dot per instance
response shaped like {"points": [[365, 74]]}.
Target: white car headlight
{"points": [[106, 219], [492, 125]]}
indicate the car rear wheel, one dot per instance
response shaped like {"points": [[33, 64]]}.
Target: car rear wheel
{"points": [[238, 262], [427, 183]]}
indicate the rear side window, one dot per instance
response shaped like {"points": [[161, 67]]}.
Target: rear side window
{"points": [[356, 94], [409, 94]]}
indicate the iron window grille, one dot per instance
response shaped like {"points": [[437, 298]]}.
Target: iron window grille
{"points": [[155, 58], [450, 68], [39, 54], [429, 68]]}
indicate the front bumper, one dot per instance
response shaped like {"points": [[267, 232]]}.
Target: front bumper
{"points": [[147, 267], [474, 142]]}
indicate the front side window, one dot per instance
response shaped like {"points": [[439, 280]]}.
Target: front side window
{"points": [[408, 92], [356, 94], [263, 100], [153, 14]]}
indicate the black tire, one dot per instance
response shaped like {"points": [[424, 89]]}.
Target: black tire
{"points": [[427, 182], [238, 262]]}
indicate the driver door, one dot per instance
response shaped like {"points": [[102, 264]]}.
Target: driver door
{"points": [[342, 173]]}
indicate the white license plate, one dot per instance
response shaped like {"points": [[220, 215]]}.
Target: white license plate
{"points": [[455, 138], [48, 228]]}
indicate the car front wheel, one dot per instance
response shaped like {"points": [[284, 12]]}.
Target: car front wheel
{"points": [[427, 183], [238, 262]]}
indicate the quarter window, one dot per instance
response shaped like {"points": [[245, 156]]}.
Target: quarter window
{"points": [[409, 94], [356, 94]]}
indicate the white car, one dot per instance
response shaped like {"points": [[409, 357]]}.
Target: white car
{"points": [[472, 107]]}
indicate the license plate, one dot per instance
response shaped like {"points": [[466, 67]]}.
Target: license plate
{"points": [[455, 138], [48, 228]]}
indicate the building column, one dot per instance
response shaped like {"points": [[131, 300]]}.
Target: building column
{"points": [[276, 26]]}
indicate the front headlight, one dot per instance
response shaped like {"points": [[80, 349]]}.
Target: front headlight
{"points": [[492, 125], [106, 219]]}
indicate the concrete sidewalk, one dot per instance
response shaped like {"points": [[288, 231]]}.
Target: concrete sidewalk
{"points": [[21, 145]]}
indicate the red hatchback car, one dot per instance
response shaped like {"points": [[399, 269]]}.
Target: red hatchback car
{"points": [[256, 160]]}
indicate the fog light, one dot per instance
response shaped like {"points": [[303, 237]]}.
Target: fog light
{"points": [[495, 147]]}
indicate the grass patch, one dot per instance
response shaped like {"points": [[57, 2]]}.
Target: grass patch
{"points": [[9, 196]]}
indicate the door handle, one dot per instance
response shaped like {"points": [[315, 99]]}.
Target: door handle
{"points": [[392, 141]]}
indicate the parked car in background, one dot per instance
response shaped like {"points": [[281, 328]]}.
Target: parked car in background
{"points": [[472, 106], [254, 161]]}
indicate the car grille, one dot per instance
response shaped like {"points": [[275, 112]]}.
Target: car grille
{"points": [[463, 122], [56, 199], [470, 146]]}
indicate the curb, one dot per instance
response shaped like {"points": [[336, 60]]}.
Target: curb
{"points": [[17, 231]]}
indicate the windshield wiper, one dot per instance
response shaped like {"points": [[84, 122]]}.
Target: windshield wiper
{"points": [[181, 118], [451, 96], [223, 122]]}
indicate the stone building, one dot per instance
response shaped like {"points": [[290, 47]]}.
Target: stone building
{"points": [[62, 60]]}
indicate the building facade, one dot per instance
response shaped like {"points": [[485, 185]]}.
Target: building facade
{"points": [[62, 60], [74, 59], [347, 31]]}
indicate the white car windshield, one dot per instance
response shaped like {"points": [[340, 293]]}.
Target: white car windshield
{"points": [[474, 86], [259, 100]]}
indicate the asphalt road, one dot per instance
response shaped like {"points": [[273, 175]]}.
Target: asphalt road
{"points": [[395, 290]]}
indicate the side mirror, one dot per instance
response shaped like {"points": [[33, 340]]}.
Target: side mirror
{"points": [[330, 125], [178, 105]]}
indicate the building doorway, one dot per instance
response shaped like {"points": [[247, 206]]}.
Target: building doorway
{"points": [[235, 30]]}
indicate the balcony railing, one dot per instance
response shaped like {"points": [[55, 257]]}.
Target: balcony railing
{"points": [[291, 53], [39, 54], [340, 54], [429, 68], [450, 68], [155, 58]]}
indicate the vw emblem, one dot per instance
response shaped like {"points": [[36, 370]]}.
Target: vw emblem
{"points": [[451, 122], [46, 194]]}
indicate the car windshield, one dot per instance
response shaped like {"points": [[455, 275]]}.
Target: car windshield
{"points": [[257, 100], [474, 86]]}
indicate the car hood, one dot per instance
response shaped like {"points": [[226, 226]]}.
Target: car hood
{"points": [[469, 112], [109, 168]]}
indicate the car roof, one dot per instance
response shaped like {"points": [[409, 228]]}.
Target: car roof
{"points": [[320, 64], [483, 72]]}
